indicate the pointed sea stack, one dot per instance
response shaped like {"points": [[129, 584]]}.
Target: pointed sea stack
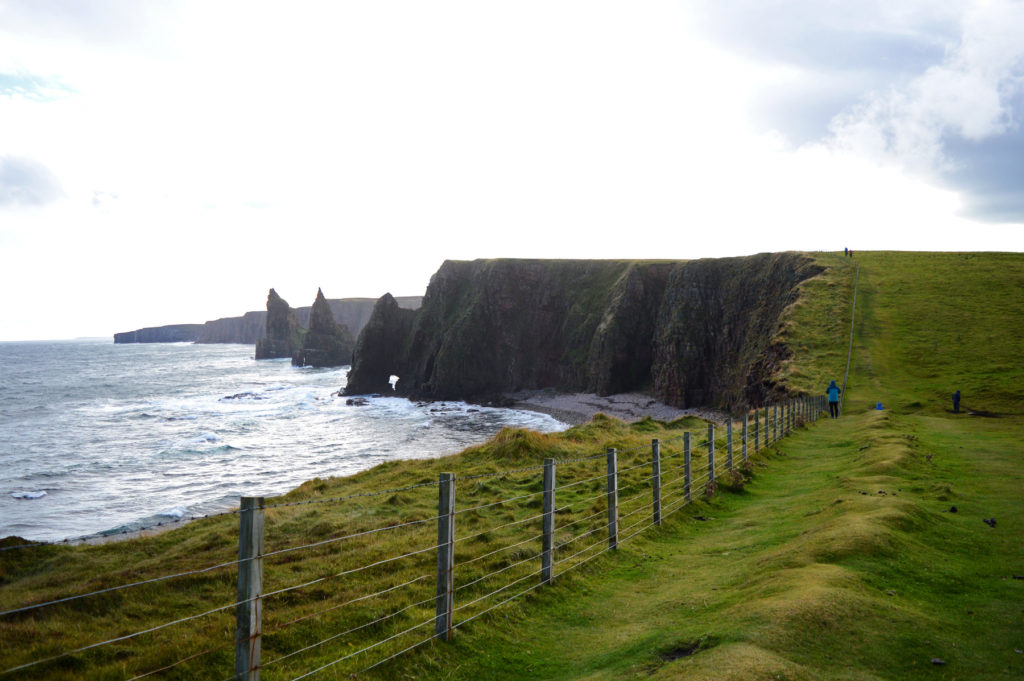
{"points": [[327, 343], [284, 335]]}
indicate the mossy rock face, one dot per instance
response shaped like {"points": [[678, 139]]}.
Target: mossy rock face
{"points": [[716, 341], [695, 332]]}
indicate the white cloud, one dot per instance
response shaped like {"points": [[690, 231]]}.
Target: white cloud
{"points": [[969, 95]]}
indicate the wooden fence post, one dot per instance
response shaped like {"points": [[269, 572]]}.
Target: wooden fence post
{"points": [[249, 613], [775, 422], [613, 499], [547, 541], [728, 443], [767, 427], [445, 556], [757, 430], [656, 479], [711, 453], [746, 431], [688, 480]]}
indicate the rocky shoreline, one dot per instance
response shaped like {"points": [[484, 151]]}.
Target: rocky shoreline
{"points": [[579, 408]]}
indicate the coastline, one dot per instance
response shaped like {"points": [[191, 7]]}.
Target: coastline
{"points": [[574, 409], [579, 408]]}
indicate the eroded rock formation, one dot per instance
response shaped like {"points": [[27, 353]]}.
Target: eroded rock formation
{"points": [[326, 343], [283, 333], [691, 333]]}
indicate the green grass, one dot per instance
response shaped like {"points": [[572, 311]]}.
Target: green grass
{"points": [[838, 557]]}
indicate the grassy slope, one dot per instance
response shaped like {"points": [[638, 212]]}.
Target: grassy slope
{"points": [[839, 560]]}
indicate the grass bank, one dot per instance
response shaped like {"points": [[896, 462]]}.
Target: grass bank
{"points": [[839, 557]]}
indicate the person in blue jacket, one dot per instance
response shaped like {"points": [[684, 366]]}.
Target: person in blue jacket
{"points": [[956, 402], [833, 400]]}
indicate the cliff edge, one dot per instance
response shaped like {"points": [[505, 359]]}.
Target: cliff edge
{"points": [[691, 333]]}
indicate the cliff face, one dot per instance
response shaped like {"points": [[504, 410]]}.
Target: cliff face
{"points": [[172, 333], [326, 343], [283, 335], [247, 329], [693, 333], [714, 342], [383, 345]]}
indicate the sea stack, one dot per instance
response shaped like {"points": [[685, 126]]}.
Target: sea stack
{"points": [[326, 343], [284, 335], [381, 348]]}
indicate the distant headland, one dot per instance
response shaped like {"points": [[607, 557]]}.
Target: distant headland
{"points": [[251, 327]]}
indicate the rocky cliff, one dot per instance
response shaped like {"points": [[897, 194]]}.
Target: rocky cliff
{"points": [[172, 333], [382, 345], [283, 335], [326, 343], [247, 329], [691, 333]]}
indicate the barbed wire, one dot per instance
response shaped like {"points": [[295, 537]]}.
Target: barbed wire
{"points": [[603, 511], [503, 548], [369, 647], [781, 427], [125, 637], [350, 536], [346, 633], [498, 503], [318, 613], [124, 586], [351, 571], [499, 527], [183, 660], [497, 572], [497, 591]]}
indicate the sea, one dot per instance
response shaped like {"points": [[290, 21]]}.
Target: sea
{"points": [[98, 438]]}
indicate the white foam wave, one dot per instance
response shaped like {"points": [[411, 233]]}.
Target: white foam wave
{"points": [[29, 495], [176, 512], [205, 437]]}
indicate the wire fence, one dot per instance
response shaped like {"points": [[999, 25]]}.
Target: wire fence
{"points": [[353, 594]]}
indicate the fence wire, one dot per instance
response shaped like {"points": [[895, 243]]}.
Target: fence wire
{"points": [[778, 424]]}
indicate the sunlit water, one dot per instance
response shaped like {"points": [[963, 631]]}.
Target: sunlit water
{"points": [[98, 438]]}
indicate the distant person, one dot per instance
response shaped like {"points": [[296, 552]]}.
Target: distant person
{"points": [[846, 251], [956, 402], [833, 400], [849, 253]]}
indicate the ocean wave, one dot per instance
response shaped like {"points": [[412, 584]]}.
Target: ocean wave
{"points": [[29, 495], [184, 452], [177, 512], [205, 437]]}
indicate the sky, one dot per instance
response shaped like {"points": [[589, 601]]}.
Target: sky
{"points": [[169, 162]]}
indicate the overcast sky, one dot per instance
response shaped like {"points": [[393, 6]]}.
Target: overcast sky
{"points": [[168, 162]]}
